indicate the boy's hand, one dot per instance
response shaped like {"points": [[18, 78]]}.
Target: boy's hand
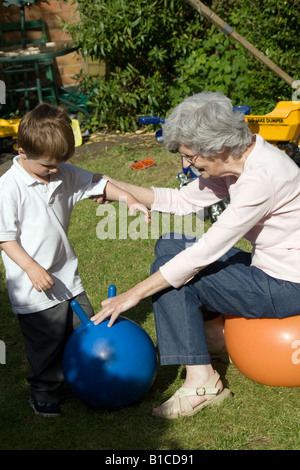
{"points": [[140, 207], [40, 278]]}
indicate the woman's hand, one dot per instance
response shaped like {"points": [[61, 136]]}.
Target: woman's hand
{"points": [[114, 306], [100, 199]]}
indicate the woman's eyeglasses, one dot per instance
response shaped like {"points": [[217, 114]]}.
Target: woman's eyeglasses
{"points": [[190, 158]]}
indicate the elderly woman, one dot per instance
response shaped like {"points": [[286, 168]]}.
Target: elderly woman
{"points": [[193, 283]]}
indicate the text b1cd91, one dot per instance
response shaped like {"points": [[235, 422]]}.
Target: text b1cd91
{"points": [[137, 459]]}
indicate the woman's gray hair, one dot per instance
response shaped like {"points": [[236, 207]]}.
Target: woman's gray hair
{"points": [[207, 124]]}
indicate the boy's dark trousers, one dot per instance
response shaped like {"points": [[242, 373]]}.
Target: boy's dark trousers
{"points": [[45, 335]]}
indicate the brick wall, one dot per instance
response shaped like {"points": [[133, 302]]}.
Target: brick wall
{"points": [[69, 65]]}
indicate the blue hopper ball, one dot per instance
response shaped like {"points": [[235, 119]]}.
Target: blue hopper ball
{"points": [[109, 367]]}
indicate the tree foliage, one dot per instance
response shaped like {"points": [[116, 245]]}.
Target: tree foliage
{"points": [[159, 51]]}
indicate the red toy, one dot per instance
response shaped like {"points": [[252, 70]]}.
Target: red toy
{"points": [[142, 164]]}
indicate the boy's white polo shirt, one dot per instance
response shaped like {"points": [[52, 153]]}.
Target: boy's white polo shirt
{"points": [[37, 216]]}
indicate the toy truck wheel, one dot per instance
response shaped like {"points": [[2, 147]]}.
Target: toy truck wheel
{"points": [[216, 210]]}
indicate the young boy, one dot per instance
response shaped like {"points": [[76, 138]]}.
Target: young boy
{"points": [[37, 195]]}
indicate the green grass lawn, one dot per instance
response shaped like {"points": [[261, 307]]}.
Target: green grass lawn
{"points": [[258, 418]]}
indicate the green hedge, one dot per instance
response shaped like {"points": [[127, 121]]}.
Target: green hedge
{"points": [[159, 51]]}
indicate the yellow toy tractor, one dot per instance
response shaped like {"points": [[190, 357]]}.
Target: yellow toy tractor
{"points": [[9, 133], [280, 127]]}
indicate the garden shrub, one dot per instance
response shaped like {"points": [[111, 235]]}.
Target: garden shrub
{"points": [[159, 51]]}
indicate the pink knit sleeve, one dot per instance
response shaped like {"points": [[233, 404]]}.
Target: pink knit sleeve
{"points": [[251, 199], [191, 198]]}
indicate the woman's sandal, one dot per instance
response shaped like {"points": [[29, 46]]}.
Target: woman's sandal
{"points": [[171, 409]]}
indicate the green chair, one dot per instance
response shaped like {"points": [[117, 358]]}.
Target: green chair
{"points": [[31, 80], [11, 35]]}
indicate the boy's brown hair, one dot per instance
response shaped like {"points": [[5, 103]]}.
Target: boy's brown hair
{"points": [[47, 131]]}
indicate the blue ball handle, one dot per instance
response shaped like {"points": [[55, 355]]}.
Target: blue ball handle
{"points": [[111, 291], [81, 313]]}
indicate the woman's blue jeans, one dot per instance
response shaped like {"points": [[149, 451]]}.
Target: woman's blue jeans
{"points": [[230, 286]]}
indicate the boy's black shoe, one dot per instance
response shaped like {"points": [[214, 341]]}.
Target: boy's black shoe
{"points": [[49, 410]]}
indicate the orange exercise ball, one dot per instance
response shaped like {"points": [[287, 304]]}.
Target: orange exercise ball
{"points": [[266, 350]]}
